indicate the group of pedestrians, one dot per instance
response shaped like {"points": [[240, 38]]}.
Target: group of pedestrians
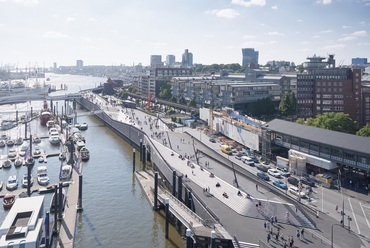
{"points": [[278, 236]]}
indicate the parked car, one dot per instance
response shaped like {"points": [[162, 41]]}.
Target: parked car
{"points": [[234, 150], [280, 184], [254, 159], [274, 173], [307, 181], [295, 191], [263, 175], [283, 171], [238, 156], [248, 161], [294, 181], [243, 153], [263, 167], [213, 140]]}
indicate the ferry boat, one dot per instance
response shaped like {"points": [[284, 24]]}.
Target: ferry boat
{"points": [[45, 115]]}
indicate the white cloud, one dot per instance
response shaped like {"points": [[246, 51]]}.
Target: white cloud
{"points": [[299, 20], [70, 19], [326, 31], [274, 7], [1, 25], [324, 2], [248, 37], [92, 19], [55, 35], [249, 3], [115, 31], [360, 33], [364, 44], [275, 33], [332, 47], [346, 27], [315, 37], [224, 13], [347, 38], [27, 2]]}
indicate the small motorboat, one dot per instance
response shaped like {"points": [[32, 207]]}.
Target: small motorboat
{"points": [[65, 173], [10, 142], [25, 180], [12, 154], [85, 154], [36, 140], [41, 159], [62, 156], [7, 164], [18, 162], [8, 201], [80, 144], [2, 143], [83, 126], [30, 161], [37, 152], [50, 123], [56, 200], [19, 141], [12, 183], [42, 175]]}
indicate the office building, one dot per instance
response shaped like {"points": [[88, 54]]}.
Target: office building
{"points": [[250, 58], [79, 64], [156, 61], [359, 61], [187, 59], [170, 60]]}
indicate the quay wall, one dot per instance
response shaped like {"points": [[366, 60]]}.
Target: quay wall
{"points": [[133, 136]]}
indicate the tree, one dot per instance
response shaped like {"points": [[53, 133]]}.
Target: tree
{"points": [[182, 100], [300, 121], [165, 91], [340, 122], [365, 131], [192, 103], [288, 104], [263, 106]]}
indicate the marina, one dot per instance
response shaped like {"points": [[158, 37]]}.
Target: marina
{"points": [[124, 176]]}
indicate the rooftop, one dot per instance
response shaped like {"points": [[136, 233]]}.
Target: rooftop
{"points": [[319, 135]]}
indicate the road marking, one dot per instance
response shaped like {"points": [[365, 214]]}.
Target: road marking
{"points": [[363, 211], [354, 216]]}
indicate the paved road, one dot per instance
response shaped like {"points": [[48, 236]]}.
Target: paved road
{"points": [[324, 199]]}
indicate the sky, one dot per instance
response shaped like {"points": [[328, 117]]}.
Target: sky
{"points": [[114, 32]]}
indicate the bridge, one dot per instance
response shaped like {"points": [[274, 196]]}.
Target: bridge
{"points": [[12, 99]]}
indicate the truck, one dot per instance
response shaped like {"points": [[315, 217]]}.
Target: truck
{"points": [[282, 163]]}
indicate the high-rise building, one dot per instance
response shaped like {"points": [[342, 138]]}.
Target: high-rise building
{"points": [[323, 88], [79, 64], [250, 58], [359, 61], [187, 59], [170, 60], [156, 61]]}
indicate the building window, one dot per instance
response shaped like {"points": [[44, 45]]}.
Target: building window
{"points": [[327, 102]]}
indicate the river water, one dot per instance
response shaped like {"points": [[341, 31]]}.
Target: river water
{"points": [[116, 212]]}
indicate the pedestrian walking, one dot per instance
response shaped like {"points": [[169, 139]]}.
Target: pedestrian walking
{"points": [[257, 187], [275, 219], [336, 208], [302, 232], [298, 234], [268, 238], [264, 225]]}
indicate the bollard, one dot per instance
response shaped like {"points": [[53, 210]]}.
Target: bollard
{"points": [[29, 180], [141, 149], [60, 202], [144, 157], [213, 239], [79, 205], [55, 230], [174, 183], [25, 130], [167, 212], [156, 190], [16, 117], [189, 242], [133, 160], [47, 229], [179, 188]]}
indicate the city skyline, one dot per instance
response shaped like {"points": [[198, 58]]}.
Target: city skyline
{"points": [[127, 32]]}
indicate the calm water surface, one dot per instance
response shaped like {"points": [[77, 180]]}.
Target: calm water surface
{"points": [[116, 211]]}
